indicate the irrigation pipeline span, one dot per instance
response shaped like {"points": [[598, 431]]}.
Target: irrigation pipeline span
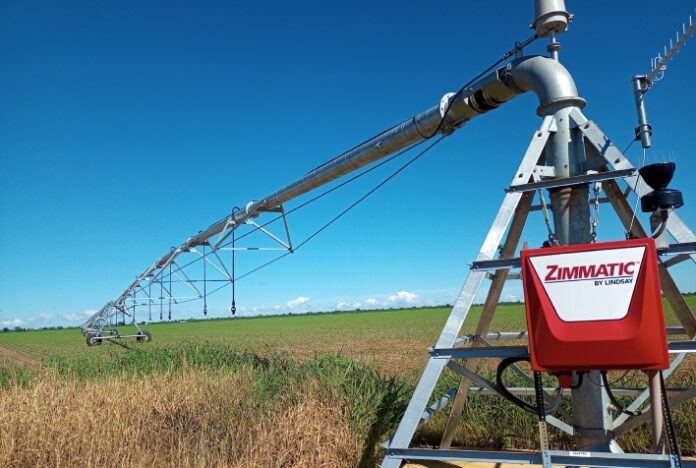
{"points": [[544, 76]]}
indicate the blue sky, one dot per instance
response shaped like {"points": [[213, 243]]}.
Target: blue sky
{"points": [[128, 126]]}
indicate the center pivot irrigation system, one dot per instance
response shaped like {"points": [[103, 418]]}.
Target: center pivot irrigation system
{"points": [[591, 307]]}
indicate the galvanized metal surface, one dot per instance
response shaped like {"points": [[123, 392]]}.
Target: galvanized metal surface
{"points": [[448, 337], [547, 78], [442, 354], [570, 181], [556, 458]]}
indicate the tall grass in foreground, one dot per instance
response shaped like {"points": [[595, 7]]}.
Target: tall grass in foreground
{"points": [[197, 406], [209, 405]]}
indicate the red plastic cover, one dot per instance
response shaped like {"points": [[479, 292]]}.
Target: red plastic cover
{"points": [[595, 306]]}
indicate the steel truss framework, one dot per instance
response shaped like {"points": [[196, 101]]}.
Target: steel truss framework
{"points": [[172, 279], [185, 276], [604, 165]]}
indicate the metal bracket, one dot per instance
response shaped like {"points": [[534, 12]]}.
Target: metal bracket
{"points": [[570, 181]]}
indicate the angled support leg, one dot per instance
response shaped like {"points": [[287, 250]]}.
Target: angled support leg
{"points": [[433, 369], [487, 314]]}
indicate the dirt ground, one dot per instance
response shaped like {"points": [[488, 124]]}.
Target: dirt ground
{"points": [[9, 357]]}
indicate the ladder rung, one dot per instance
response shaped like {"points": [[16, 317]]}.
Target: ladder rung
{"points": [[568, 181], [498, 264], [680, 248], [555, 457], [480, 352]]}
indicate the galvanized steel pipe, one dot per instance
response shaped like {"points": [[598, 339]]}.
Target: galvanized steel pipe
{"points": [[547, 78]]}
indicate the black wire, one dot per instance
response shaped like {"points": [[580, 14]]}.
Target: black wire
{"points": [[335, 218], [620, 377], [371, 191], [629, 146], [504, 57], [613, 399], [308, 202], [505, 393]]}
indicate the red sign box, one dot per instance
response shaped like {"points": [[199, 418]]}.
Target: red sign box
{"points": [[595, 306]]}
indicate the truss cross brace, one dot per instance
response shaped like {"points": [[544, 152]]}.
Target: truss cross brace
{"points": [[603, 157]]}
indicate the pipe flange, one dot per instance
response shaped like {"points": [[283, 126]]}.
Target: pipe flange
{"points": [[445, 103], [545, 108]]}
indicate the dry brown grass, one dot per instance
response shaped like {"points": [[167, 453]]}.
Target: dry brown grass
{"points": [[188, 419]]}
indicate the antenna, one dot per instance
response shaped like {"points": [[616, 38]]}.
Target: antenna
{"points": [[642, 83], [659, 63]]}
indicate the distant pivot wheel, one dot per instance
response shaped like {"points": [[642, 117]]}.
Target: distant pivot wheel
{"points": [[144, 336], [93, 340]]}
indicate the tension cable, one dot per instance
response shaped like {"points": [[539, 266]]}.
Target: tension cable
{"points": [[339, 215], [518, 48]]}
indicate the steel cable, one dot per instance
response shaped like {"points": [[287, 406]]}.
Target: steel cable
{"points": [[335, 218]]}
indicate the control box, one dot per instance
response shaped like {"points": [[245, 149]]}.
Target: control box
{"points": [[595, 307]]}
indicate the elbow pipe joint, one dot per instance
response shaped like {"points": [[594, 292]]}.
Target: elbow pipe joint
{"points": [[548, 79]]}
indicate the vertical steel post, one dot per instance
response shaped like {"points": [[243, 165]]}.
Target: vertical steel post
{"points": [[135, 304], [170, 292], [205, 283], [565, 151], [149, 302], [233, 307]]}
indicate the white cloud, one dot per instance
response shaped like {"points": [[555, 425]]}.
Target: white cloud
{"points": [[15, 322], [72, 317], [79, 317], [347, 305], [371, 301], [403, 296], [45, 317], [298, 301]]}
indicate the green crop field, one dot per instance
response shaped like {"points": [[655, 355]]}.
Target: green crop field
{"points": [[370, 335], [393, 340], [203, 383]]}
